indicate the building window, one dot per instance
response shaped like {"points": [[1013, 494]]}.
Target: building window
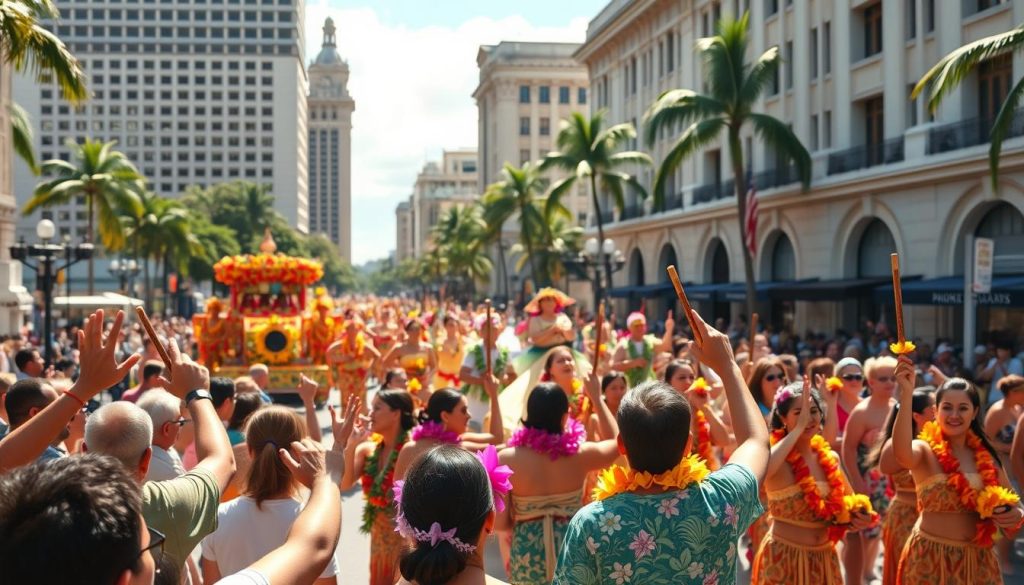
{"points": [[994, 78], [814, 53], [771, 7], [827, 134], [581, 97], [524, 156], [911, 20], [524, 94], [545, 126], [873, 30], [826, 47], [874, 128], [563, 95], [929, 16], [670, 52], [632, 76], [789, 64], [814, 133], [524, 126], [545, 94], [911, 107]]}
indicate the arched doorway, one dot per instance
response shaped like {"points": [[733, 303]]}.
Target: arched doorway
{"points": [[717, 272], [782, 268], [667, 299], [874, 248], [1004, 225], [636, 278]]}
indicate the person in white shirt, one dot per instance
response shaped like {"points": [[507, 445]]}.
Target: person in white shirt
{"points": [[164, 409], [474, 367]]}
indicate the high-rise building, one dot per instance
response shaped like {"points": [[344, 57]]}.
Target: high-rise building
{"points": [[15, 302], [525, 91], [439, 187], [330, 146], [403, 231], [194, 94], [887, 176]]}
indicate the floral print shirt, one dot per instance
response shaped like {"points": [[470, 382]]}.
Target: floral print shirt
{"points": [[686, 536]]}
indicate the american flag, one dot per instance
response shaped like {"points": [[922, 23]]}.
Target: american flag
{"points": [[750, 214]]}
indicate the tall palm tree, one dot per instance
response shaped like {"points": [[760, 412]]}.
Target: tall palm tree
{"points": [[107, 180], [734, 88], [160, 230], [28, 46], [588, 151], [560, 238], [951, 70], [259, 205], [519, 193], [459, 236]]}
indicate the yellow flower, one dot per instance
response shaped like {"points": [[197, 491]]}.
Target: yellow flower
{"points": [[602, 349], [618, 479], [994, 496], [904, 347], [851, 504], [700, 386], [414, 385], [577, 384], [835, 383]]}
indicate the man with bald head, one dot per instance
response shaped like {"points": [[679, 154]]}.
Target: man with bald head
{"points": [[25, 399]]}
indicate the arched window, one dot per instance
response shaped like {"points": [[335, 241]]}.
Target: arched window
{"points": [[876, 244], [783, 259], [636, 268], [719, 263], [1005, 226], [666, 258]]}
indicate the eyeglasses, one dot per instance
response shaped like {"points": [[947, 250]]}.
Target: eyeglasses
{"points": [[156, 545], [773, 377], [886, 379], [853, 377], [181, 421]]}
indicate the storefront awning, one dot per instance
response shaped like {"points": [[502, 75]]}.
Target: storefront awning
{"points": [[826, 290], [708, 292], [1007, 291], [643, 290], [736, 292]]}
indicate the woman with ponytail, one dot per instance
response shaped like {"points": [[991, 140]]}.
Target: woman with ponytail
{"points": [[963, 492], [445, 420], [902, 514], [370, 459], [258, 521], [446, 509]]}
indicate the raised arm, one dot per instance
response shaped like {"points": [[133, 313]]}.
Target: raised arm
{"points": [[1017, 453], [903, 430], [99, 371], [496, 431], [307, 392], [851, 440], [666, 339], [783, 448], [747, 422], [606, 425]]}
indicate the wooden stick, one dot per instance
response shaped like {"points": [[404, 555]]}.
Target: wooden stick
{"points": [[897, 291], [674, 276], [598, 331], [753, 333], [144, 319], [487, 340]]}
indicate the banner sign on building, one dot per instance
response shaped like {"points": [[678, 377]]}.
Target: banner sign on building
{"points": [[984, 250]]}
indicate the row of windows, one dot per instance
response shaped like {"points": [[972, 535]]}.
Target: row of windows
{"points": [[544, 94], [524, 126], [181, 64], [164, 126], [262, 48], [165, 15], [149, 34], [150, 80], [131, 110], [65, 5]]}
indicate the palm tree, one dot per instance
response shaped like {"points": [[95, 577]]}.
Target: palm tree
{"points": [[26, 45], [734, 88], [518, 194], [21, 136], [259, 206], [951, 70], [103, 176], [560, 238], [587, 151], [459, 237]]}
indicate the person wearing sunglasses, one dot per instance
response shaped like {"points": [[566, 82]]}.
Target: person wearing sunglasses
{"points": [[164, 409], [851, 373], [765, 380]]}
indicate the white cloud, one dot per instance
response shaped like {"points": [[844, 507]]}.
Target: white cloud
{"points": [[412, 88]]}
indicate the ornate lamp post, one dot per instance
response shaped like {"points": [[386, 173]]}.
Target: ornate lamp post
{"points": [[590, 261], [125, 270]]}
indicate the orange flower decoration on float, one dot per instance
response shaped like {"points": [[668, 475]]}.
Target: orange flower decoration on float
{"points": [[903, 347], [834, 384]]}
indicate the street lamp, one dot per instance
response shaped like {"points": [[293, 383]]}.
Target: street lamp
{"points": [[591, 261], [45, 255], [125, 270]]}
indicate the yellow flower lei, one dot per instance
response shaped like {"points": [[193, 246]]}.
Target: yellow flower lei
{"points": [[618, 479]]}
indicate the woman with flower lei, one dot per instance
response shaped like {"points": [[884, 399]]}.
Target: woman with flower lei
{"points": [[962, 490], [370, 459], [474, 366], [385, 330], [450, 352], [445, 420], [706, 428], [809, 498], [551, 460], [416, 357], [350, 360]]}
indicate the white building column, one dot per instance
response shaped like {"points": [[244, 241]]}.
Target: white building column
{"points": [[841, 61], [15, 301], [894, 66]]}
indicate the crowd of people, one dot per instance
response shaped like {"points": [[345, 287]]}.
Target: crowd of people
{"points": [[590, 454]]}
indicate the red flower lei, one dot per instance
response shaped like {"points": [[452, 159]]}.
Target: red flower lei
{"points": [[704, 440], [377, 484], [824, 508]]}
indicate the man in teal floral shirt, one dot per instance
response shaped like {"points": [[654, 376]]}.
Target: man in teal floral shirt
{"points": [[687, 536]]}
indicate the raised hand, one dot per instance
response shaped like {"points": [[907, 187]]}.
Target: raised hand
{"points": [[99, 369], [592, 386], [490, 384], [185, 375], [307, 388], [342, 428], [715, 350], [670, 322], [804, 418], [906, 375], [306, 461]]}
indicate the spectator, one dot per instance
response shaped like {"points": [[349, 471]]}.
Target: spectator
{"points": [[1000, 366], [151, 372], [27, 398], [260, 374], [246, 403], [223, 392], [245, 384], [164, 410], [29, 362], [6, 381]]}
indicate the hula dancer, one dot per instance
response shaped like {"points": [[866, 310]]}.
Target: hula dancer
{"points": [[634, 355], [474, 367]]}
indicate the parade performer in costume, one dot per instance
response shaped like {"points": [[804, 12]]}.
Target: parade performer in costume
{"points": [[634, 355], [550, 459], [385, 331], [962, 490], [862, 430], [350, 360], [665, 518], [323, 329], [450, 352], [547, 327], [809, 497], [902, 514], [445, 420], [216, 337], [370, 459], [474, 366], [417, 358], [707, 429], [589, 334]]}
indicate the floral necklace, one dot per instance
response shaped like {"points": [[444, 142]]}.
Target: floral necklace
{"points": [[836, 508], [377, 482], [554, 445], [704, 450], [435, 431], [637, 375], [618, 479], [579, 403], [991, 496]]}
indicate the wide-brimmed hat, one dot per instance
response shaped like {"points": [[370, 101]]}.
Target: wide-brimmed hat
{"points": [[562, 300]]}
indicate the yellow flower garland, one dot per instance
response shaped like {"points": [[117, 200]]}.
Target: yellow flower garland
{"points": [[618, 479]]}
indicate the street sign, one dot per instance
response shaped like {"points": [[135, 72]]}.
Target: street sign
{"points": [[984, 250]]}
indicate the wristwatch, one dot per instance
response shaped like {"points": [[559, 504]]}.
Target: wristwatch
{"points": [[198, 394]]}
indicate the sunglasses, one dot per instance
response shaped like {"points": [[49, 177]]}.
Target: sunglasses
{"points": [[180, 422], [886, 379], [773, 377], [853, 377], [156, 544]]}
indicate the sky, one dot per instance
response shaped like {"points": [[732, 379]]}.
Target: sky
{"points": [[413, 70]]}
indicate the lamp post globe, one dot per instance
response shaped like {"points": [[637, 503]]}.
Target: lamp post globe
{"points": [[45, 230]]}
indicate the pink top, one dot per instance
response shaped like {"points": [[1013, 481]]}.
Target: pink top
{"points": [[842, 415]]}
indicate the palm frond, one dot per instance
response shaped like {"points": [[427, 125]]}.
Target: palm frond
{"points": [[1001, 128], [678, 107], [782, 140], [21, 136], [630, 157], [947, 74], [761, 73], [698, 135]]}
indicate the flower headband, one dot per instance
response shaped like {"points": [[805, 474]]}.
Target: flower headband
{"points": [[500, 486], [783, 395]]}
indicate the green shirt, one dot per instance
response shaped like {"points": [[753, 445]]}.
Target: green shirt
{"points": [[184, 509], [685, 536]]}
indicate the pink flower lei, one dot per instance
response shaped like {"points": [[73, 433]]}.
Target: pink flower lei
{"points": [[554, 445], [436, 431]]}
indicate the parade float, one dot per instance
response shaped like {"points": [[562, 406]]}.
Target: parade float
{"points": [[273, 316]]}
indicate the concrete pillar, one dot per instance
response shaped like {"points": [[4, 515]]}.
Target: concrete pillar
{"points": [[842, 116], [894, 66]]}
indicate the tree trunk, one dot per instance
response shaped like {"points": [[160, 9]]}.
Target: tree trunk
{"points": [[740, 180], [146, 282], [528, 242], [600, 243], [89, 235]]}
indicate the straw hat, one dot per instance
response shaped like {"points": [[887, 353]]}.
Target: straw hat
{"points": [[562, 300]]}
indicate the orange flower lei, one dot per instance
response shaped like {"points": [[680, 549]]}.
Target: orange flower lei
{"points": [[704, 440], [991, 496], [834, 384], [618, 479], [837, 507]]}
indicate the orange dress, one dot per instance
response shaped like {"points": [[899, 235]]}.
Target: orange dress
{"points": [[780, 561], [928, 559], [898, 524]]}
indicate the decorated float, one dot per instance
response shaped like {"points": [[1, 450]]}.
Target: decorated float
{"points": [[273, 316]]}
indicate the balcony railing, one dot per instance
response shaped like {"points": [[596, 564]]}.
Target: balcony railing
{"points": [[632, 211], [714, 192], [972, 7], [775, 178], [969, 133], [670, 201], [607, 217], [868, 155]]}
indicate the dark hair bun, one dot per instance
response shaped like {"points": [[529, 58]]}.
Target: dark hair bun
{"points": [[432, 565]]}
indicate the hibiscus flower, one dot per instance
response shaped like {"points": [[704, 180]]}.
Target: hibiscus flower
{"points": [[642, 545]]}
